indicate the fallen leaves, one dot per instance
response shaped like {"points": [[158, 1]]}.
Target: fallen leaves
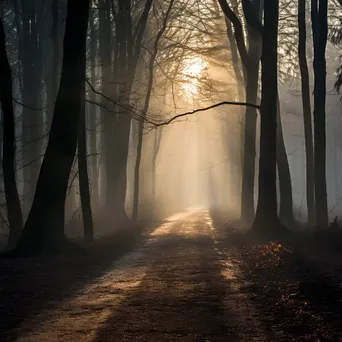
{"points": [[283, 297]]}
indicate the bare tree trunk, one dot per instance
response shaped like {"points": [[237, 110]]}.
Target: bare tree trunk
{"points": [[319, 20], [93, 122], [266, 217], [252, 81], [52, 86], [31, 61], [9, 149], [285, 183], [307, 116], [240, 86], [44, 228], [156, 148], [250, 61], [88, 225]]}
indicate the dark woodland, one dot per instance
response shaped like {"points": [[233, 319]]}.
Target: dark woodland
{"points": [[171, 170]]}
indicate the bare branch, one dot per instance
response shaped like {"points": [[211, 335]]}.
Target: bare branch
{"points": [[205, 109]]}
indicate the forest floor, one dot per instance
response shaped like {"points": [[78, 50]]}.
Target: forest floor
{"points": [[181, 280]]}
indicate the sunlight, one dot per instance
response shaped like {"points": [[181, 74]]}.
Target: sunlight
{"points": [[192, 73]]}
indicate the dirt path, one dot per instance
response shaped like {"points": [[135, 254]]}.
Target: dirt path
{"points": [[180, 285]]}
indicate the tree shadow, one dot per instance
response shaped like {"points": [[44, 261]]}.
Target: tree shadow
{"points": [[182, 297], [28, 286]]}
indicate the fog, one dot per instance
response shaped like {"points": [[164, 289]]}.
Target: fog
{"points": [[188, 61]]}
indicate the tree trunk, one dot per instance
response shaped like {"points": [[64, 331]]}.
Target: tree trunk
{"points": [[88, 225], [238, 167], [31, 61], [266, 217], [116, 126], [44, 228], [93, 121], [319, 20], [9, 147], [156, 148], [285, 182], [52, 86], [307, 116], [248, 176]]}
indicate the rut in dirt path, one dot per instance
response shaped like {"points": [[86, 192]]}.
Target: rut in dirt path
{"points": [[178, 286]]}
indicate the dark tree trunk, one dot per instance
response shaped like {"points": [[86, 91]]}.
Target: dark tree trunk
{"points": [[93, 121], [9, 149], [31, 61], [44, 228], [156, 148], [250, 61], [83, 174], [116, 126], [238, 160], [307, 116], [252, 81], [319, 20], [285, 183], [266, 217], [52, 86]]}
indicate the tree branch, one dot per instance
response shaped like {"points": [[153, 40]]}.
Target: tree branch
{"points": [[205, 109]]}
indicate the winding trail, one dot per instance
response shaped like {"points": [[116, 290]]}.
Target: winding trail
{"points": [[182, 284]]}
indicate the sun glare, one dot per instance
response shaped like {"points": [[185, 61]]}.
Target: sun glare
{"points": [[192, 72]]}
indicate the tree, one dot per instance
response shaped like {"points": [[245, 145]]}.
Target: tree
{"points": [[319, 18], [44, 228], [83, 171], [266, 218], [307, 116], [146, 106], [9, 146], [125, 48], [31, 61], [285, 185], [250, 61], [92, 114]]}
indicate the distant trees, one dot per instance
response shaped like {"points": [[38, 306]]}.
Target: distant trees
{"points": [[118, 78], [150, 67]]}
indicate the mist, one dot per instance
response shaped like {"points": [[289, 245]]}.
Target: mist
{"points": [[170, 170]]}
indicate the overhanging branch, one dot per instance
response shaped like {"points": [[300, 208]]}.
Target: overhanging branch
{"points": [[219, 104]]}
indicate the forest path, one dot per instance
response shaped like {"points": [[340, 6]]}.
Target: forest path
{"points": [[182, 284]]}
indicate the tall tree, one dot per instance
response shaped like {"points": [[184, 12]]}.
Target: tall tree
{"points": [[92, 114], [44, 228], [319, 19], [9, 146], [87, 216], [266, 217], [307, 116], [285, 184], [30, 52], [125, 49], [250, 61], [54, 62], [252, 82]]}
